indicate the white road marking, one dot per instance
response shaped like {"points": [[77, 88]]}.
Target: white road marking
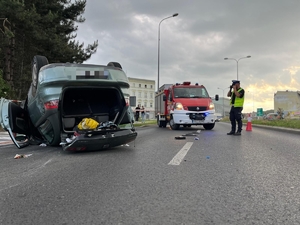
{"points": [[181, 154]]}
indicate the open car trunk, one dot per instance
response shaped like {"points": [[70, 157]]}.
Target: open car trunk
{"points": [[107, 106]]}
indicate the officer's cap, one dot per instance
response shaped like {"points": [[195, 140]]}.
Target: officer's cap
{"points": [[235, 82]]}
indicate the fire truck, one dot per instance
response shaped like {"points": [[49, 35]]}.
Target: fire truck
{"points": [[184, 105]]}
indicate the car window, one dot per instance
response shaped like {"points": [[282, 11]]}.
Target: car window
{"points": [[190, 93], [60, 72]]}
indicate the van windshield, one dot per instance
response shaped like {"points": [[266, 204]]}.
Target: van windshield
{"points": [[197, 92]]}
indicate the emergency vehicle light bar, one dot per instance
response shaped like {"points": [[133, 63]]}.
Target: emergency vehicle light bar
{"points": [[186, 83]]}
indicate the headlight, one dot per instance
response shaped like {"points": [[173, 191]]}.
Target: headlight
{"points": [[178, 106], [211, 106]]}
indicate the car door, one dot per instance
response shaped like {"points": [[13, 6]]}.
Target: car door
{"points": [[14, 120]]}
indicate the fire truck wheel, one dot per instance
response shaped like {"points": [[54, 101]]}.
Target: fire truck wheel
{"points": [[173, 125], [208, 126]]}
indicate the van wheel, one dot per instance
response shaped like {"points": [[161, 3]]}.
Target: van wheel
{"points": [[208, 126], [37, 63], [173, 125]]}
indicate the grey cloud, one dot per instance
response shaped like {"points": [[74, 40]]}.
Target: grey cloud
{"points": [[194, 44]]}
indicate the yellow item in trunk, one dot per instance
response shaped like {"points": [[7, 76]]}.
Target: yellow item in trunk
{"points": [[88, 124]]}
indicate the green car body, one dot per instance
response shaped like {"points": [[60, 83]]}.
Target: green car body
{"points": [[61, 95]]}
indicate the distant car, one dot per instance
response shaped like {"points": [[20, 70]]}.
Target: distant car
{"points": [[61, 96], [219, 119], [271, 116]]}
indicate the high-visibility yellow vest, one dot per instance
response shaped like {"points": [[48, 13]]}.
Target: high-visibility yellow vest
{"points": [[238, 102]]}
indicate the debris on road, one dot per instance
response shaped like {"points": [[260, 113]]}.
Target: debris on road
{"points": [[43, 145], [190, 134], [180, 137], [18, 156]]}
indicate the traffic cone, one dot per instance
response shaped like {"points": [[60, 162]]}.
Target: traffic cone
{"points": [[249, 124]]}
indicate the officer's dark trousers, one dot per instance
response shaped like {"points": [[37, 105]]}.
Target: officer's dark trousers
{"points": [[235, 116]]}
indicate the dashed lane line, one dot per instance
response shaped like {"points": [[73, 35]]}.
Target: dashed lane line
{"points": [[181, 154]]}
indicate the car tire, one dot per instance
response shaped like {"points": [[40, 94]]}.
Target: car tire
{"points": [[115, 64], [209, 126], [37, 63], [56, 130], [173, 125]]}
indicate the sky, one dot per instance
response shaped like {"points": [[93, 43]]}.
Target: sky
{"points": [[193, 44]]}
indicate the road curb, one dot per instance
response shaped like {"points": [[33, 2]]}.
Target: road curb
{"points": [[285, 129], [289, 130]]}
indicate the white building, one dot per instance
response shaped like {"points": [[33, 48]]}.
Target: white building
{"points": [[288, 101], [144, 90]]}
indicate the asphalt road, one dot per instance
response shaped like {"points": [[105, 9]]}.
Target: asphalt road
{"points": [[217, 179]]}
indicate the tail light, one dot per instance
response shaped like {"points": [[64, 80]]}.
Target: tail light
{"points": [[53, 104]]}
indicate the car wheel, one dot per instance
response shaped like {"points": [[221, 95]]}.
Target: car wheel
{"points": [[37, 63], [52, 130], [173, 125], [209, 126], [115, 64]]}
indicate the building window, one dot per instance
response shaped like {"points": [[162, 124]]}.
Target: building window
{"points": [[151, 104], [151, 86], [133, 84], [151, 95], [140, 85], [145, 95], [140, 94], [145, 85], [145, 104]]}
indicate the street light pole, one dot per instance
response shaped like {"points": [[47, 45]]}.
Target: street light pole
{"points": [[237, 64], [175, 14], [223, 101]]}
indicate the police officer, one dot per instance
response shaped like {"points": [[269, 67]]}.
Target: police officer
{"points": [[236, 94]]}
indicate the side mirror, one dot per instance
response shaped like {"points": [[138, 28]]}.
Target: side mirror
{"points": [[217, 97]]}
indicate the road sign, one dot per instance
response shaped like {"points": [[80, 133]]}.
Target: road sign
{"points": [[259, 112]]}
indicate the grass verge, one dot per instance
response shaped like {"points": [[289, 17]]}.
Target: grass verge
{"points": [[288, 123]]}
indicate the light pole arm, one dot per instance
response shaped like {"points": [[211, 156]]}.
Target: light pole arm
{"points": [[237, 64], [158, 52]]}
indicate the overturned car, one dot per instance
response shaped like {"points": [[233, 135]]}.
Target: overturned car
{"points": [[62, 98]]}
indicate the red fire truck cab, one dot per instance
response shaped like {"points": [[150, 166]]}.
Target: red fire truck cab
{"points": [[184, 104]]}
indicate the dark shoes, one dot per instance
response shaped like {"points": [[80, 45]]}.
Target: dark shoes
{"points": [[235, 134]]}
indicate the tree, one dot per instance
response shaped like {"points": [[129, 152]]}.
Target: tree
{"points": [[4, 88], [35, 27]]}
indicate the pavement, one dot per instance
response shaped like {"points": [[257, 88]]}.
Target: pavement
{"points": [[6, 140]]}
